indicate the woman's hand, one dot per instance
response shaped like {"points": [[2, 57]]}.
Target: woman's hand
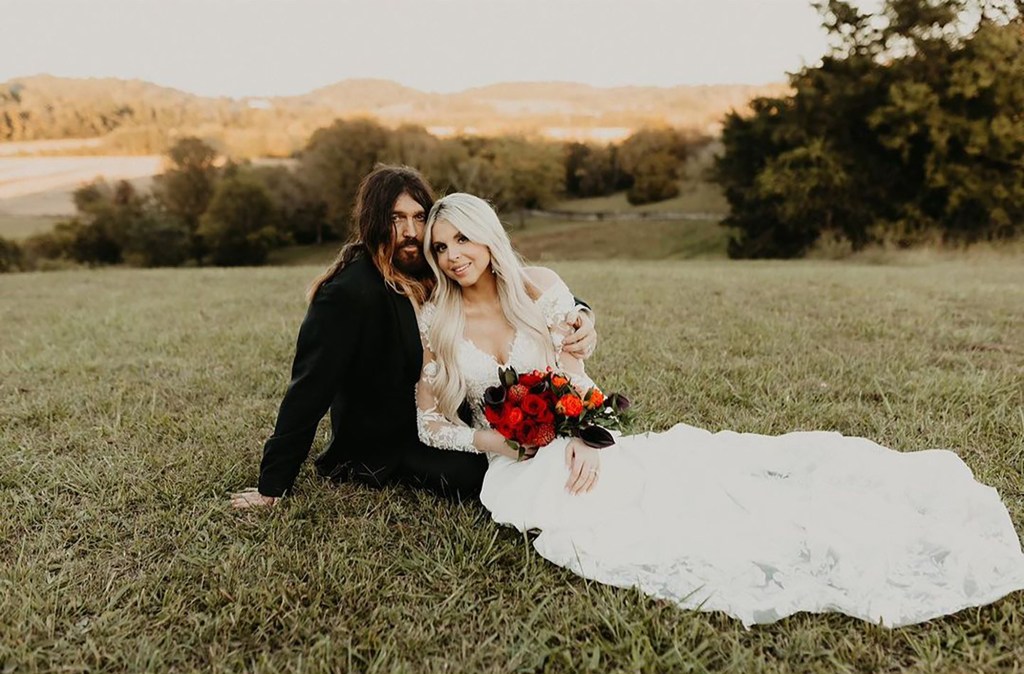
{"points": [[580, 344], [584, 464], [251, 498]]}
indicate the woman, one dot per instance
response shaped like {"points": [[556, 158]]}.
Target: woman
{"points": [[758, 527]]}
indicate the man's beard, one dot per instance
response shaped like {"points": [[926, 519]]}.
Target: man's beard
{"points": [[410, 262]]}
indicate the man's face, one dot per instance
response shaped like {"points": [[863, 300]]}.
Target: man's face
{"points": [[408, 219]]}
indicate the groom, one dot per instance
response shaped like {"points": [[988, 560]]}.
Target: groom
{"points": [[359, 354]]}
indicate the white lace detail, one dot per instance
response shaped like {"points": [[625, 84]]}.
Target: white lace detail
{"points": [[435, 430], [556, 303], [424, 320]]}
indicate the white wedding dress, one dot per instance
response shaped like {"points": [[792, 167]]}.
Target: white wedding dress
{"points": [[759, 527]]}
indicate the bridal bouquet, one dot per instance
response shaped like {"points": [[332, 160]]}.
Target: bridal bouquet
{"points": [[534, 408]]}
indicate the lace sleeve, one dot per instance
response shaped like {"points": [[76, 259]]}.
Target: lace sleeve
{"points": [[433, 427], [558, 305]]}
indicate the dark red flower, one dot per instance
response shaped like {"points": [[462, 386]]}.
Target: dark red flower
{"points": [[541, 435], [525, 430], [517, 392], [534, 405], [531, 379], [493, 415]]}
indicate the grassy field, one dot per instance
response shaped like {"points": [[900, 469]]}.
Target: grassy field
{"points": [[695, 196], [132, 402]]}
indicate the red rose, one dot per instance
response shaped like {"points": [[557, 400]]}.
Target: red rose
{"points": [[534, 405], [531, 379], [492, 415], [513, 416], [570, 405], [546, 416]]}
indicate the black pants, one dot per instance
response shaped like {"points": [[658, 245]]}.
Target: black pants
{"points": [[457, 475], [452, 474]]}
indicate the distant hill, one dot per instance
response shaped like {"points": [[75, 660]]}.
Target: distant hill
{"points": [[138, 116]]}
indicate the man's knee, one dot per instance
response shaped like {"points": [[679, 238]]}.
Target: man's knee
{"points": [[453, 474]]}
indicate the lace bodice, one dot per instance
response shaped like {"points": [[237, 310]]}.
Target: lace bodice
{"points": [[480, 369]]}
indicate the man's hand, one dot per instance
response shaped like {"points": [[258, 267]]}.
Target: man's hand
{"points": [[251, 498], [582, 342]]}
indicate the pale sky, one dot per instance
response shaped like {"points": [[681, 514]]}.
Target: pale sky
{"points": [[284, 47]]}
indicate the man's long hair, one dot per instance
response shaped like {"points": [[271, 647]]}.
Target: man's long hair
{"points": [[374, 233]]}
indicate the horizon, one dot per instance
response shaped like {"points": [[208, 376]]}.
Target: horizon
{"points": [[20, 78], [272, 48]]}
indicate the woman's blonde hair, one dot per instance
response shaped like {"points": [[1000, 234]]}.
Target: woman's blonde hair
{"points": [[476, 220]]}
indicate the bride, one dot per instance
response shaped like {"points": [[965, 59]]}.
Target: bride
{"points": [[759, 527]]}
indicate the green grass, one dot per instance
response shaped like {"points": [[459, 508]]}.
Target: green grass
{"points": [[132, 402], [694, 197], [621, 240], [23, 226]]}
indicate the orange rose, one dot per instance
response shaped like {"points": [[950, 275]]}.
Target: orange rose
{"points": [[558, 381], [594, 398], [569, 405]]}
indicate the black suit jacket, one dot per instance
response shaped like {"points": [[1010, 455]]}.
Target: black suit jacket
{"points": [[358, 353]]}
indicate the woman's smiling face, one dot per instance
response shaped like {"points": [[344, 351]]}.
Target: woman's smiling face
{"points": [[461, 260]]}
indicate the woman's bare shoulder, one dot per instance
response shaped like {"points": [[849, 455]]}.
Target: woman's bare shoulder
{"points": [[541, 278]]}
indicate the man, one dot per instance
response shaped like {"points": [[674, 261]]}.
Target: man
{"points": [[359, 354]]}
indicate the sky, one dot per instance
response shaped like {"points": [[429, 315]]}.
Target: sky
{"points": [[286, 47]]}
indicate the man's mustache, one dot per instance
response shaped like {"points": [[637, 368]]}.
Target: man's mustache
{"points": [[409, 241]]}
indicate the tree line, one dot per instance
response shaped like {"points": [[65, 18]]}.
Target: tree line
{"points": [[910, 130], [135, 117], [204, 210]]}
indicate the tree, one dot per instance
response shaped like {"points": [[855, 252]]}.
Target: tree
{"points": [[240, 225], [335, 161], [529, 174], [12, 258], [591, 170], [910, 126], [185, 189], [157, 239], [652, 158], [301, 214]]}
